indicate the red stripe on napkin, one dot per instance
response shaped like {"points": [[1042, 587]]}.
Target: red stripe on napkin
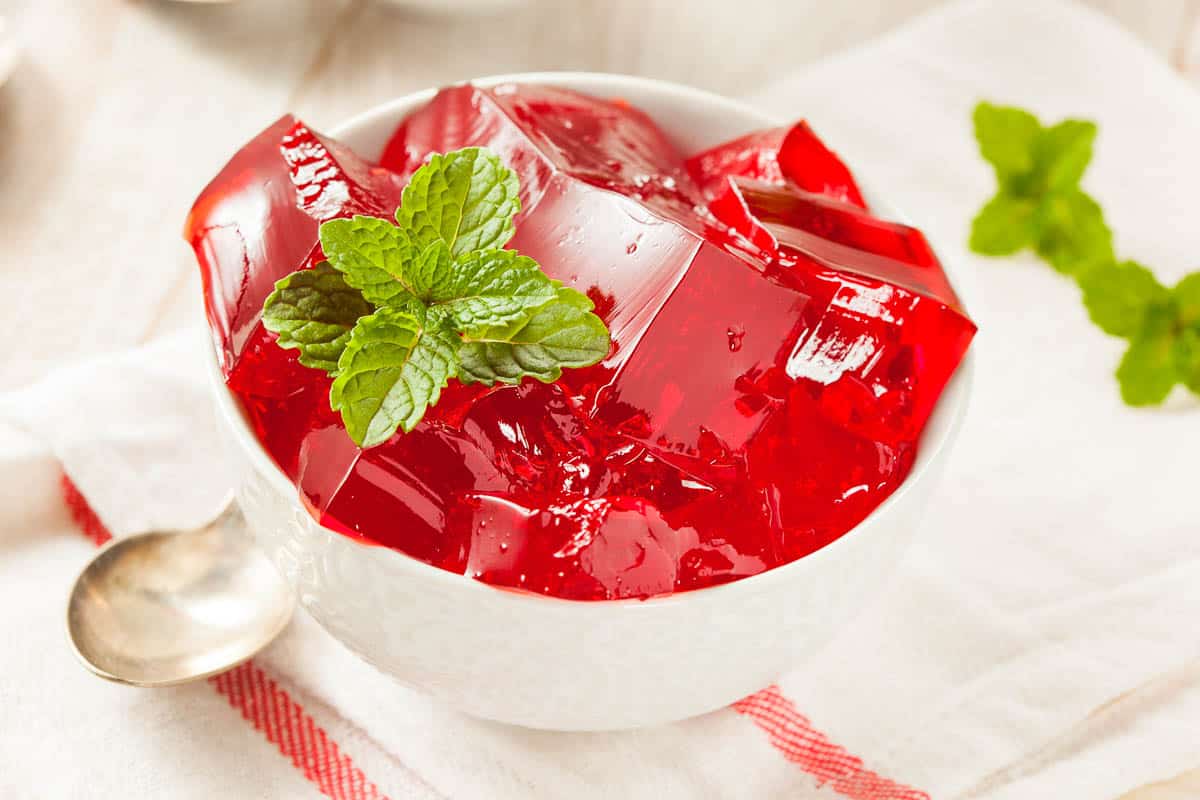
{"points": [[286, 725], [82, 513], [263, 704], [792, 734]]}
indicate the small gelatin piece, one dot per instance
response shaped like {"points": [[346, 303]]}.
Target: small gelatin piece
{"points": [[609, 548], [808, 163], [284, 401], [755, 155], [777, 156]]}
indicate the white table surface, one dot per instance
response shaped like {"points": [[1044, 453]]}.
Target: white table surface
{"points": [[120, 111]]}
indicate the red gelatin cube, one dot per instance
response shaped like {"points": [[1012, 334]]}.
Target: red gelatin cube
{"points": [[540, 131], [257, 220], [819, 477], [593, 549], [677, 391], [808, 163], [402, 493], [777, 156], [834, 220], [878, 355], [755, 155], [284, 401], [464, 116], [836, 234]]}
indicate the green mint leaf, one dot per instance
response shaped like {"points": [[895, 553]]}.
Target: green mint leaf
{"points": [[466, 198], [1148, 371], [1006, 138], [393, 368], [313, 311], [1062, 153], [1119, 295], [1072, 231], [1187, 357], [1004, 226], [373, 254], [491, 289], [1186, 299], [1186, 296], [431, 269], [562, 333]]}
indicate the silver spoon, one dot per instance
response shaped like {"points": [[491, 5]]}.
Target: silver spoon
{"points": [[163, 608]]}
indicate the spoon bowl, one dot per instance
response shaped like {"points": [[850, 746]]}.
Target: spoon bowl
{"points": [[164, 608]]}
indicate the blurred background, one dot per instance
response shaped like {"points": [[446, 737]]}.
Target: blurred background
{"points": [[118, 111]]}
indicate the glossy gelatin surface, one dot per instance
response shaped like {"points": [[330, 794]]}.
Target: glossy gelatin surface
{"points": [[776, 350]]}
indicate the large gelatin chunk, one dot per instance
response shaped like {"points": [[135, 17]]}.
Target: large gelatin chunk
{"points": [[602, 190], [257, 220], [679, 389], [542, 130]]}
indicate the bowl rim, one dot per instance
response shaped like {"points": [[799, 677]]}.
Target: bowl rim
{"points": [[946, 419]]}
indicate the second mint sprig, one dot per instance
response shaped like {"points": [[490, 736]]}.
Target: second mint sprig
{"points": [[1039, 204]]}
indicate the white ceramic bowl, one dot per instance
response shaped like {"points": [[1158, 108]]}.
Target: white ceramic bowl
{"points": [[566, 665]]}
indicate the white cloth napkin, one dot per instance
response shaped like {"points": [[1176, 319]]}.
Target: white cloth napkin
{"points": [[1038, 641]]}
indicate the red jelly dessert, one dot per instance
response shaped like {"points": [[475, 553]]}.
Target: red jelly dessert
{"points": [[776, 352]]}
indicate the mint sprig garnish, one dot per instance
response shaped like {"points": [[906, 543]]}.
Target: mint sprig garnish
{"points": [[1039, 204], [397, 310]]}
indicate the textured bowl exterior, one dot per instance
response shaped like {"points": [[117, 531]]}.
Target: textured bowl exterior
{"points": [[557, 664]]}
